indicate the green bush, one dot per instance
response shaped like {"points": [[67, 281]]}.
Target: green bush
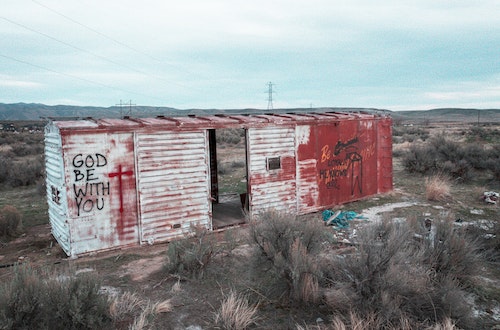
{"points": [[289, 246], [399, 276], [35, 299], [229, 135], [10, 221], [21, 172], [441, 155], [409, 133], [191, 256]]}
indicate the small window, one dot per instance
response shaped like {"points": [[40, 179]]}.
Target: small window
{"points": [[273, 163]]}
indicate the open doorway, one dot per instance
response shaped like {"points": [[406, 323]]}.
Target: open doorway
{"points": [[228, 172]]}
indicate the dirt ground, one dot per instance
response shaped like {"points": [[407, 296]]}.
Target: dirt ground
{"points": [[141, 270]]}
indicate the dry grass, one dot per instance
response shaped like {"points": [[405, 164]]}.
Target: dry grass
{"points": [[236, 312], [125, 305], [437, 188], [145, 320]]}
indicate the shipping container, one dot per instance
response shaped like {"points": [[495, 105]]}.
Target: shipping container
{"points": [[114, 183]]}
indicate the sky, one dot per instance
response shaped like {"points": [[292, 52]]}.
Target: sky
{"points": [[233, 54]]}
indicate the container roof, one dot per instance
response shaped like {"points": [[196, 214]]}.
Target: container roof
{"points": [[217, 120]]}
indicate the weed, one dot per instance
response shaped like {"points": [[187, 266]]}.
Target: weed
{"points": [[10, 221], [38, 299], [441, 155], [289, 246], [450, 254], [398, 279], [229, 135], [191, 256], [236, 312], [124, 306], [437, 188]]}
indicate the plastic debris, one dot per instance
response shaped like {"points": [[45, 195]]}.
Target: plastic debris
{"points": [[340, 219], [491, 197]]}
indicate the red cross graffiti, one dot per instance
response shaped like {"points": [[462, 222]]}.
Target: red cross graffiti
{"points": [[119, 174]]}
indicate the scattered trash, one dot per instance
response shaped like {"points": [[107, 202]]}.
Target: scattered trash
{"points": [[428, 224], [340, 219], [491, 197], [476, 212]]}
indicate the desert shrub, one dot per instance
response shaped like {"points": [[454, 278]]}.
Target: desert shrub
{"points": [[10, 221], [21, 173], [487, 237], [450, 254], [191, 256], [237, 164], [420, 159], [23, 149], [236, 312], [410, 133], [437, 188], [483, 133], [396, 278], [441, 155], [229, 135], [35, 299], [222, 168], [5, 164], [493, 161], [289, 246]]}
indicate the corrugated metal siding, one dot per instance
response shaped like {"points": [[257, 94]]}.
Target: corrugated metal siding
{"points": [[173, 183], [56, 187], [272, 189], [342, 161], [101, 194], [384, 158], [307, 169]]}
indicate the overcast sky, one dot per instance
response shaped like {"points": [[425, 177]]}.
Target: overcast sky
{"points": [[396, 55]]}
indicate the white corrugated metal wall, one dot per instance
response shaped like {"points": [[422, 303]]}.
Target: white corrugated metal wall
{"points": [[173, 183], [275, 188], [56, 187], [100, 177]]}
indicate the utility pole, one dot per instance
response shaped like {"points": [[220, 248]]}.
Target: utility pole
{"points": [[129, 112], [270, 96]]}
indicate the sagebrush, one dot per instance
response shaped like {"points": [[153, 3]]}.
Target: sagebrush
{"points": [[40, 299], [289, 245]]}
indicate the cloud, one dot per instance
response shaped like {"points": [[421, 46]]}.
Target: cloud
{"points": [[9, 82]]}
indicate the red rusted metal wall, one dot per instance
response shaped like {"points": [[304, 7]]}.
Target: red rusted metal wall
{"points": [[338, 161]]}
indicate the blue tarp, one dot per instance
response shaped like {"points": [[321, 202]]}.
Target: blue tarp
{"points": [[340, 219]]}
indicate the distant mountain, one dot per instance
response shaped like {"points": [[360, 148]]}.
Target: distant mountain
{"points": [[449, 115], [36, 111]]}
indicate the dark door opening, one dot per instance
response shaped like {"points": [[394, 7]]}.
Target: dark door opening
{"points": [[228, 173]]}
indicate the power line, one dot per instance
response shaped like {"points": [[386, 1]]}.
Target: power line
{"points": [[93, 54], [96, 31], [113, 39], [78, 78]]}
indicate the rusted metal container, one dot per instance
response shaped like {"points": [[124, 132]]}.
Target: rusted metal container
{"points": [[114, 183]]}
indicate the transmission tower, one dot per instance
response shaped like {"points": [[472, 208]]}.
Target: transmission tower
{"points": [[130, 105], [270, 96]]}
